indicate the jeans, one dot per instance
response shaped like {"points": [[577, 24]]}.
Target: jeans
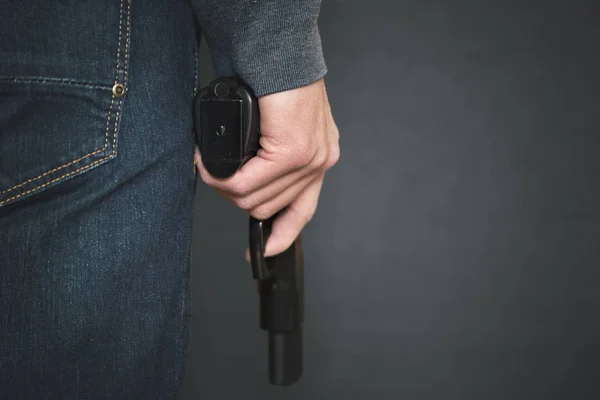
{"points": [[97, 182]]}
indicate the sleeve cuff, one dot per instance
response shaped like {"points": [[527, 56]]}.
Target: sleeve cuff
{"points": [[279, 49]]}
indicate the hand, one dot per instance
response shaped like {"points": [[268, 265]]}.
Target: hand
{"points": [[300, 142]]}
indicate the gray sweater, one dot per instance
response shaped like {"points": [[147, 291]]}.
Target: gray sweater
{"points": [[273, 45]]}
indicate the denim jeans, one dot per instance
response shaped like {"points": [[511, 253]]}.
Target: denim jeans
{"points": [[97, 184]]}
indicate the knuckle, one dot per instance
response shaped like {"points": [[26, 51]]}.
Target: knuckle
{"points": [[301, 159], [334, 157], [320, 159], [304, 153]]}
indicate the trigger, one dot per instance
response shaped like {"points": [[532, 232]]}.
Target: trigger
{"points": [[259, 234]]}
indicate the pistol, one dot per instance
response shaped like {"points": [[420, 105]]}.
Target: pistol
{"points": [[227, 131]]}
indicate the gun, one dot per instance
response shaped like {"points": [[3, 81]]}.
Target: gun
{"points": [[227, 129]]}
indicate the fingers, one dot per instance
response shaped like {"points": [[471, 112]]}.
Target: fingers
{"points": [[274, 204], [259, 191], [292, 182], [236, 187], [264, 169], [269, 199], [290, 222], [253, 175], [288, 225]]}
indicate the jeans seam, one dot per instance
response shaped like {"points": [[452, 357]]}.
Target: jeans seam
{"points": [[110, 110], [52, 81]]}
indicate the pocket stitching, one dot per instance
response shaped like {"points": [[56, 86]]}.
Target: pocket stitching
{"points": [[52, 81], [69, 163], [117, 112]]}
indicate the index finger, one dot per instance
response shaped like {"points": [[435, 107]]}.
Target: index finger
{"points": [[253, 175]]}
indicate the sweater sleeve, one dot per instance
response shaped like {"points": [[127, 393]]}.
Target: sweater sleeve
{"points": [[273, 45]]}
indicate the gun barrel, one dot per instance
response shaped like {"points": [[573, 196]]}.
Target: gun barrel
{"points": [[282, 314]]}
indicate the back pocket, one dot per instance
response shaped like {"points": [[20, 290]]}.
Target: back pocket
{"points": [[63, 79], [52, 130]]}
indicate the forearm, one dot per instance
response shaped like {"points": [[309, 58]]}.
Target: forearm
{"points": [[273, 45]]}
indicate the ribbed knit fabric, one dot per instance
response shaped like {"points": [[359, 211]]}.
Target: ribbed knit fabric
{"points": [[273, 45]]}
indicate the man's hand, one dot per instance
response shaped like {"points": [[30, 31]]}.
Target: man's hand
{"points": [[300, 142]]}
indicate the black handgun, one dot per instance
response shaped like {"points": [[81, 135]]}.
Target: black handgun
{"points": [[227, 133]]}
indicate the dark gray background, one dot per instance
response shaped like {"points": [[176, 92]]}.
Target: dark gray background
{"points": [[455, 251]]}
